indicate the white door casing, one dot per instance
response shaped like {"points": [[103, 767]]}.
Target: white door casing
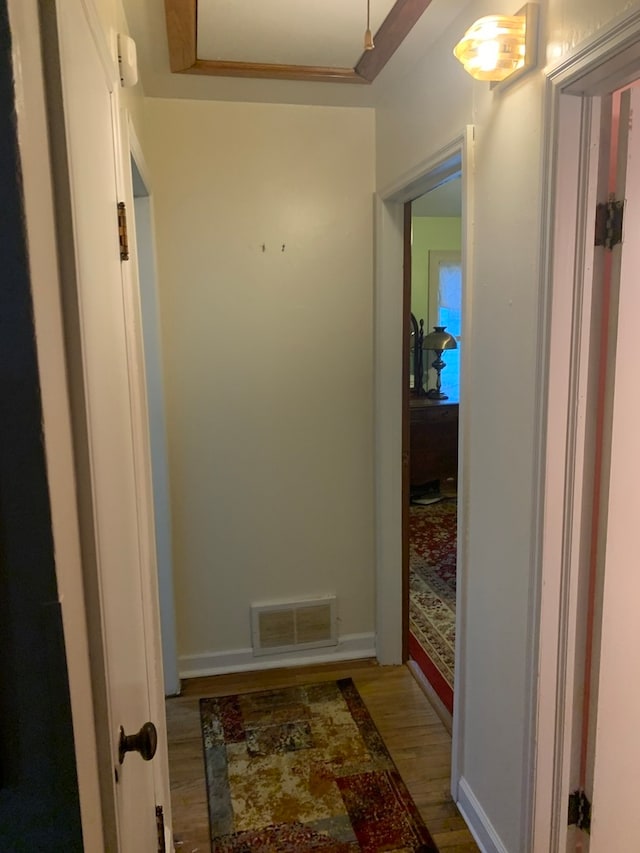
{"points": [[144, 270], [571, 428], [577, 147], [142, 447], [112, 500], [57, 432], [456, 157], [616, 747]]}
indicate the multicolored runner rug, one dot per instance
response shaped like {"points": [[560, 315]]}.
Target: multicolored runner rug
{"points": [[303, 769], [432, 593]]}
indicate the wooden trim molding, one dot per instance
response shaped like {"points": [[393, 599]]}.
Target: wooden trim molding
{"points": [[181, 18], [223, 68], [406, 447], [182, 24], [393, 31]]}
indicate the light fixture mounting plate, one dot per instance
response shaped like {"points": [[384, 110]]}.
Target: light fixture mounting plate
{"points": [[530, 12]]}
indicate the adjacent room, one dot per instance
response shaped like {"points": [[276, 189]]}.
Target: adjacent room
{"points": [[434, 404]]}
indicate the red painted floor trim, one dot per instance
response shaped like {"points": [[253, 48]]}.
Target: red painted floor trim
{"points": [[431, 673]]}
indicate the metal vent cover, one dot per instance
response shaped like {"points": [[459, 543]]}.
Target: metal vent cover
{"points": [[293, 625]]}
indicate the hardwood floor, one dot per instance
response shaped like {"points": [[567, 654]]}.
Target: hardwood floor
{"points": [[417, 740]]}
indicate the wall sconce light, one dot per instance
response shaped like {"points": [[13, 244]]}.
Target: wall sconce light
{"points": [[438, 340], [500, 47]]}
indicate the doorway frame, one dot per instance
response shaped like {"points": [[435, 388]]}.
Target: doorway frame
{"points": [[40, 224], [575, 87], [439, 703], [75, 578], [129, 150], [389, 357], [143, 211]]}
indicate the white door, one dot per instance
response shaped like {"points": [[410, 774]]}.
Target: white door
{"points": [[615, 738], [106, 463]]}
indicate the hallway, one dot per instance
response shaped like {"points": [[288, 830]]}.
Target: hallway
{"points": [[418, 742]]}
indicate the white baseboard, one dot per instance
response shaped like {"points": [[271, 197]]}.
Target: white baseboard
{"points": [[479, 824], [350, 647]]}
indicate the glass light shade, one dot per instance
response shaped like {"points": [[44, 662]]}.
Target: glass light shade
{"points": [[439, 340], [493, 47]]}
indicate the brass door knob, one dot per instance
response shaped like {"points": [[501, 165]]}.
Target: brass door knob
{"points": [[145, 742]]}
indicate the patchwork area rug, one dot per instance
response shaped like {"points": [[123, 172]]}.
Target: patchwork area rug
{"points": [[432, 593], [303, 769]]}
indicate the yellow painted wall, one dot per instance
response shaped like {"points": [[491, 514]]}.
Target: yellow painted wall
{"points": [[268, 361], [429, 233]]}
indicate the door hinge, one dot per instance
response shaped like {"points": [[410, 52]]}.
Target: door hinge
{"points": [[162, 847], [580, 810], [123, 232], [609, 216]]}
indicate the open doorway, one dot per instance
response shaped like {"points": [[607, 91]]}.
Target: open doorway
{"points": [[391, 363], [433, 271], [154, 388]]}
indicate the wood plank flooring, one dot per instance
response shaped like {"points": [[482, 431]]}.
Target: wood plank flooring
{"points": [[417, 740]]}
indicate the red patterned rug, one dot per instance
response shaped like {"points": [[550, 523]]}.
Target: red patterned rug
{"points": [[432, 593], [303, 769]]}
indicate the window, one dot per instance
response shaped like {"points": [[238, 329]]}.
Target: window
{"points": [[445, 309]]}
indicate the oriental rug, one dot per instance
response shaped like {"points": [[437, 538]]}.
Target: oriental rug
{"points": [[302, 769], [432, 593]]}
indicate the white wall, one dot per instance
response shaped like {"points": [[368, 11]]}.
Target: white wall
{"points": [[110, 17], [268, 360], [413, 123]]}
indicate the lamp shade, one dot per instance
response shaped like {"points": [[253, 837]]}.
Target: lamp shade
{"points": [[493, 47], [439, 340]]}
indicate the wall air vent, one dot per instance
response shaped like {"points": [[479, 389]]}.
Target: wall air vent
{"points": [[287, 626]]}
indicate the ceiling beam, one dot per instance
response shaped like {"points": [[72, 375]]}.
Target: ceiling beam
{"points": [[181, 18], [222, 68], [182, 22], [393, 31]]}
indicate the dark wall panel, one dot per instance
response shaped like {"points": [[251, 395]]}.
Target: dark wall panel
{"points": [[39, 808]]}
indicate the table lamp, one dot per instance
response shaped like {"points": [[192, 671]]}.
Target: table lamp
{"points": [[439, 340]]}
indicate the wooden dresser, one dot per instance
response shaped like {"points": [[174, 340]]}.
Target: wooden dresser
{"points": [[433, 446]]}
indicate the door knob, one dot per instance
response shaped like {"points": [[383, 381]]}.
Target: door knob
{"points": [[145, 742]]}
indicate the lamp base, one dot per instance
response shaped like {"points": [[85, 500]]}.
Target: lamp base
{"points": [[434, 394]]}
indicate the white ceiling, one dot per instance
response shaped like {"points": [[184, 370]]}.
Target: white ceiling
{"points": [[327, 33], [335, 29], [445, 200]]}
